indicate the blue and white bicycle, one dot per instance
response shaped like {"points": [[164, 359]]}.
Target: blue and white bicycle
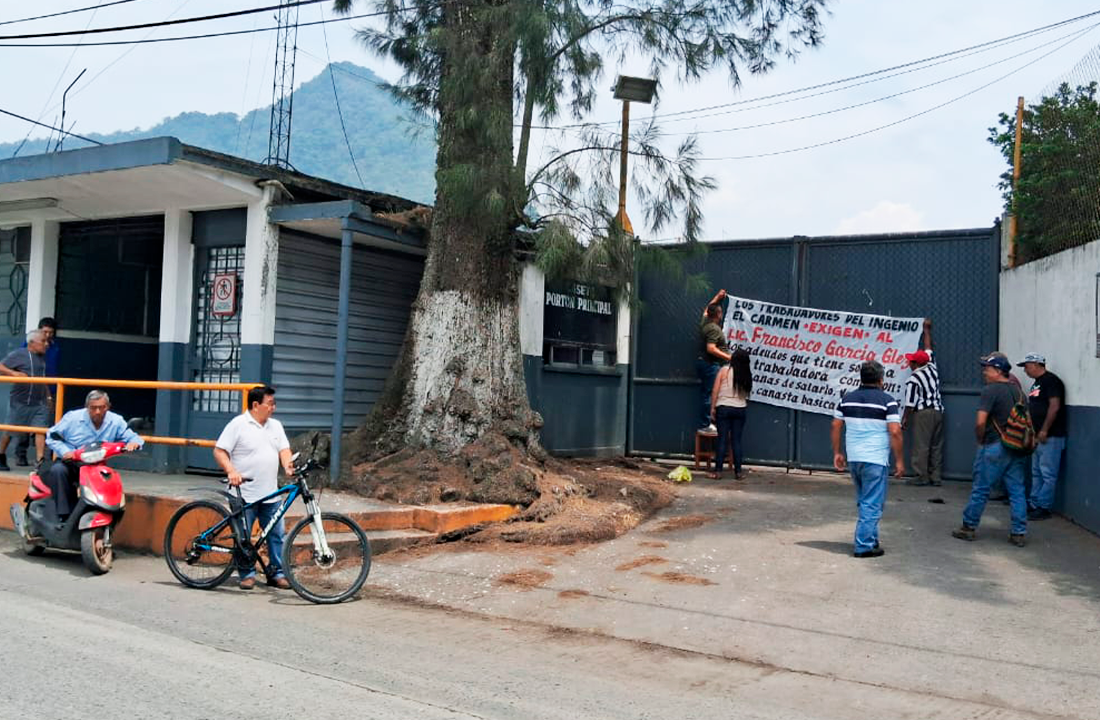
{"points": [[326, 556]]}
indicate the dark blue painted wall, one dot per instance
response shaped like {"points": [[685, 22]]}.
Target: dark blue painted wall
{"points": [[111, 360], [1079, 490], [584, 411], [171, 415]]}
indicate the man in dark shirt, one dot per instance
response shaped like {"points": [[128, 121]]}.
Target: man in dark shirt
{"points": [[28, 405], [713, 351], [1047, 402], [994, 461]]}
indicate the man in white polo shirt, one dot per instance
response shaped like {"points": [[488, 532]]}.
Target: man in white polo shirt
{"points": [[253, 445]]}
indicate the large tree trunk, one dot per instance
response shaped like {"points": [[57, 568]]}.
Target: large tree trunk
{"points": [[460, 375]]}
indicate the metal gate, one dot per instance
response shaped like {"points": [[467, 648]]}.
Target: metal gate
{"points": [[215, 350], [950, 276]]}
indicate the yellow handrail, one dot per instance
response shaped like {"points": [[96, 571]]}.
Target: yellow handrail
{"points": [[62, 383]]}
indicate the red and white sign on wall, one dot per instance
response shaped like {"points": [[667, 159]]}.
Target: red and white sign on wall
{"points": [[223, 301]]}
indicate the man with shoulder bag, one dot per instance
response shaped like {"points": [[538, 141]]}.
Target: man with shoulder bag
{"points": [[1005, 439]]}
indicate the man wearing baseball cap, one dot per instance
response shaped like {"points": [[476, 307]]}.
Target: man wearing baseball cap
{"points": [[1046, 401], [924, 412], [993, 461]]}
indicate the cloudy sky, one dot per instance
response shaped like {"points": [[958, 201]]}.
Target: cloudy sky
{"points": [[933, 171]]}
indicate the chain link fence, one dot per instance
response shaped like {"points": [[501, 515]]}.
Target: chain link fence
{"points": [[1052, 185]]}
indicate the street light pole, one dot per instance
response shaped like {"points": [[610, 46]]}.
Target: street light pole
{"points": [[626, 89], [624, 221]]}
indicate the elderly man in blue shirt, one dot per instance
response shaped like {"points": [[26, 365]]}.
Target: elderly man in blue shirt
{"points": [[95, 423]]}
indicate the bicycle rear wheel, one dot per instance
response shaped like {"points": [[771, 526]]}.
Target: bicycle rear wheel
{"points": [[199, 556], [332, 578]]}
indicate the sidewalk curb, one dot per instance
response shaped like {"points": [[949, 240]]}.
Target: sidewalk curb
{"points": [[147, 515]]}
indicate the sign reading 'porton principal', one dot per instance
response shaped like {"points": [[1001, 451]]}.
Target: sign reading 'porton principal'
{"points": [[805, 358]]}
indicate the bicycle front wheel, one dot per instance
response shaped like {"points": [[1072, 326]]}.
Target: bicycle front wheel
{"points": [[330, 577], [199, 545]]}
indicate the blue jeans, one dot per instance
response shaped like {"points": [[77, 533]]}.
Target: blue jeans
{"points": [[870, 482], [731, 423], [995, 462], [1045, 464], [264, 512], [707, 372]]}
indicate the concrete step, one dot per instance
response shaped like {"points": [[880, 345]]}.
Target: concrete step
{"points": [[150, 505], [381, 541]]}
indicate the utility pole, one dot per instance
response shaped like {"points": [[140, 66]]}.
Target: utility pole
{"points": [[282, 91], [1017, 157]]}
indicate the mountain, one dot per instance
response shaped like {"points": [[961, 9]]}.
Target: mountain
{"points": [[394, 153]]}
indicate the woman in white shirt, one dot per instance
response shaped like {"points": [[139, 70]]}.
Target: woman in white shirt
{"points": [[728, 404]]}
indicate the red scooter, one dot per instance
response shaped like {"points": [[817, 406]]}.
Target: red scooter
{"points": [[88, 528]]}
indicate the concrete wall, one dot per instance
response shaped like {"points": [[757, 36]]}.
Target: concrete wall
{"points": [[1050, 306]]}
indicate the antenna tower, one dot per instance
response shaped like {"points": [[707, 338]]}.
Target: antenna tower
{"points": [[282, 92]]}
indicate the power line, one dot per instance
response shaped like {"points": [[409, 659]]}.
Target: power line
{"points": [[891, 96], [907, 118], [911, 66], [67, 12], [56, 84], [339, 112], [162, 23], [49, 127], [202, 36], [122, 55]]}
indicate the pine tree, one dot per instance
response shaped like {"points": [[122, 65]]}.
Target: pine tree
{"points": [[478, 69]]}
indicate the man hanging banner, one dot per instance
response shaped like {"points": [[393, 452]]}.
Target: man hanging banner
{"points": [[804, 358]]}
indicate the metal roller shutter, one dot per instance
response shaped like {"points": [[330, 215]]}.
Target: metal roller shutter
{"points": [[383, 288]]}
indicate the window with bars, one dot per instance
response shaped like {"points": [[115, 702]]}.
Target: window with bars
{"points": [[15, 258], [217, 347], [109, 275]]}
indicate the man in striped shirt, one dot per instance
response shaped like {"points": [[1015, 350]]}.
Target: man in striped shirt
{"points": [[868, 418], [924, 411]]}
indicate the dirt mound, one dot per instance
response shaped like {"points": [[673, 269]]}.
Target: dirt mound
{"points": [[563, 501]]}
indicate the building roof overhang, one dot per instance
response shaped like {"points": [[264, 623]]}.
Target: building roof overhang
{"points": [[149, 176]]}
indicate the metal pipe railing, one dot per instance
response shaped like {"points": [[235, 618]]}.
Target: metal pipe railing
{"points": [[62, 383]]}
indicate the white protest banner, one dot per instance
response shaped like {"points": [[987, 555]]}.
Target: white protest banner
{"points": [[804, 358]]}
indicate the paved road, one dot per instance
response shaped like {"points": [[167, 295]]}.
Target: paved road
{"points": [[134, 643]]}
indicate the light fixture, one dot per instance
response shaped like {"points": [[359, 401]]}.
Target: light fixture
{"points": [[635, 89], [28, 204]]}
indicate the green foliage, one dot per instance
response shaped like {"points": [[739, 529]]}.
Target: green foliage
{"points": [[557, 52], [1057, 198], [394, 150]]}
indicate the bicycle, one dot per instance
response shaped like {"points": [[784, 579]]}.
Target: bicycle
{"points": [[204, 543]]}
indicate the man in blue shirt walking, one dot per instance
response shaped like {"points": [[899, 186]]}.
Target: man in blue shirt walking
{"points": [[871, 424], [95, 423]]}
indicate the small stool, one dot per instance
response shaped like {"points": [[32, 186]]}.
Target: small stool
{"points": [[705, 448]]}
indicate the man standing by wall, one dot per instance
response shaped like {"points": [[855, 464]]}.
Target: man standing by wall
{"points": [[253, 445], [713, 353], [28, 405], [994, 461], [924, 412], [869, 417], [48, 327], [1046, 402]]}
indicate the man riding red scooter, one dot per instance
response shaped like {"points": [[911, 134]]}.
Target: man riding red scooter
{"points": [[55, 515]]}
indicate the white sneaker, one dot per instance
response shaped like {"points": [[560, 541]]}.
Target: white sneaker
{"points": [[711, 428]]}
